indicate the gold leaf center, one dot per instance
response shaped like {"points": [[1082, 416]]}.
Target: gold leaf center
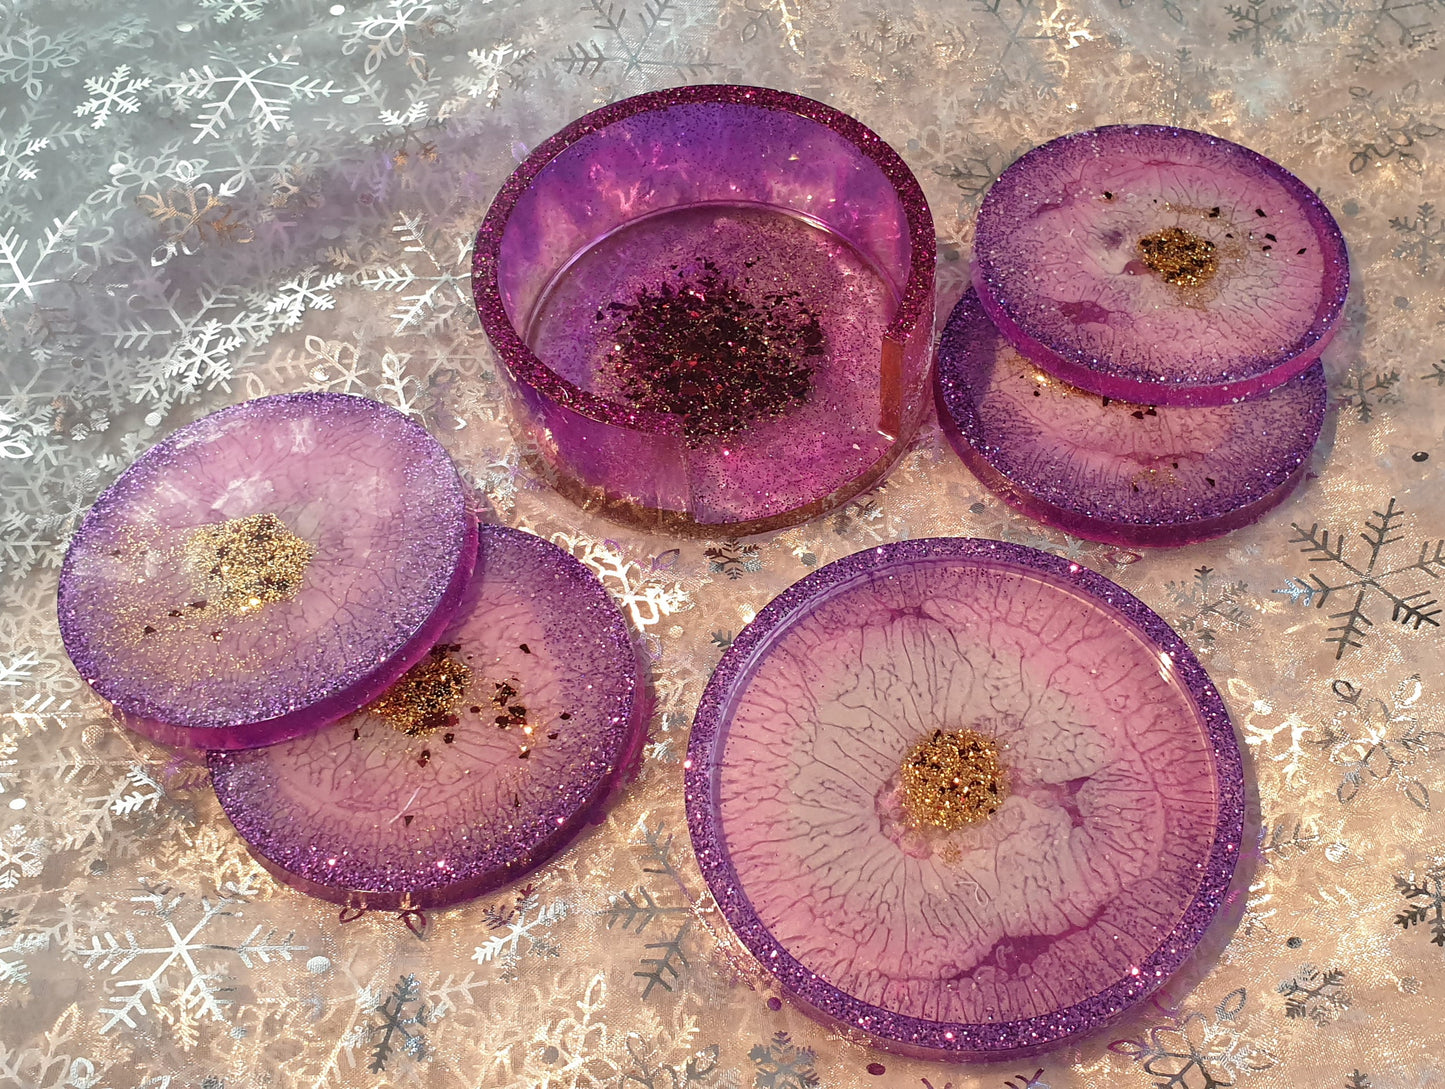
{"points": [[1179, 257], [245, 563], [953, 779], [427, 696]]}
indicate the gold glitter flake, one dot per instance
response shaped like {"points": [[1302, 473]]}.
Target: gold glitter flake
{"points": [[1180, 258], [427, 696], [245, 563], [953, 779]]}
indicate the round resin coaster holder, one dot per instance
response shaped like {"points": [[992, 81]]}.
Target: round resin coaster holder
{"points": [[969, 799], [714, 307]]}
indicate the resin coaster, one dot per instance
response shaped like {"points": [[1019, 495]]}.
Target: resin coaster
{"points": [[1111, 470], [481, 763], [714, 307], [266, 570], [963, 796], [1159, 265]]}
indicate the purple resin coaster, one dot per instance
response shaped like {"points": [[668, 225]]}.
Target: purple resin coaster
{"points": [[481, 763], [966, 797], [714, 307], [266, 570], [1110, 470], [1159, 265]]}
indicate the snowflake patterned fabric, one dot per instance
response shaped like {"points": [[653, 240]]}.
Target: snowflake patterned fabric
{"points": [[211, 200]]}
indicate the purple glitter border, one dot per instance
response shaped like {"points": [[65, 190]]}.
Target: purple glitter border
{"points": [[524, 363], [548, 832], [1048, 501], [352, 689], [914, 1035], [1108, 379]]}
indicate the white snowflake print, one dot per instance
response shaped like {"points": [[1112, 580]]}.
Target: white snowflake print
{"points": [[21, 855], [225, 87], [115, 93], [498, 67], [185, 977]]}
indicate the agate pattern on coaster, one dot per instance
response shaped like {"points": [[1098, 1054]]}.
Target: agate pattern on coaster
{"points": [[482, 763], [1099, 871]]}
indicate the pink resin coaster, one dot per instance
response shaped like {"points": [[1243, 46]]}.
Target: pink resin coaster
{"points": [[266, 570], [1111, 470], [966, 797], [714, 307], [481, 763], [1159, 265]]}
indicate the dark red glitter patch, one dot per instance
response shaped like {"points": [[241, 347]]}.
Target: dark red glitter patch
{"points": [[720, 355]]}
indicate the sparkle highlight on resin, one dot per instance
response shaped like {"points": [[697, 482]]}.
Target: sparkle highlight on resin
{"points": [[953, 779], [245, 563], [1179, 257], [427, 697]]}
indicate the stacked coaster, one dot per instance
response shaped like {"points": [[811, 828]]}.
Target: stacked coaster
{"points": [[429, 711], [266, 569], [1138, 360]]}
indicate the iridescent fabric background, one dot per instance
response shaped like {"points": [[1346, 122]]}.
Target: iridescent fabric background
{"points": [[207, 200]]}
